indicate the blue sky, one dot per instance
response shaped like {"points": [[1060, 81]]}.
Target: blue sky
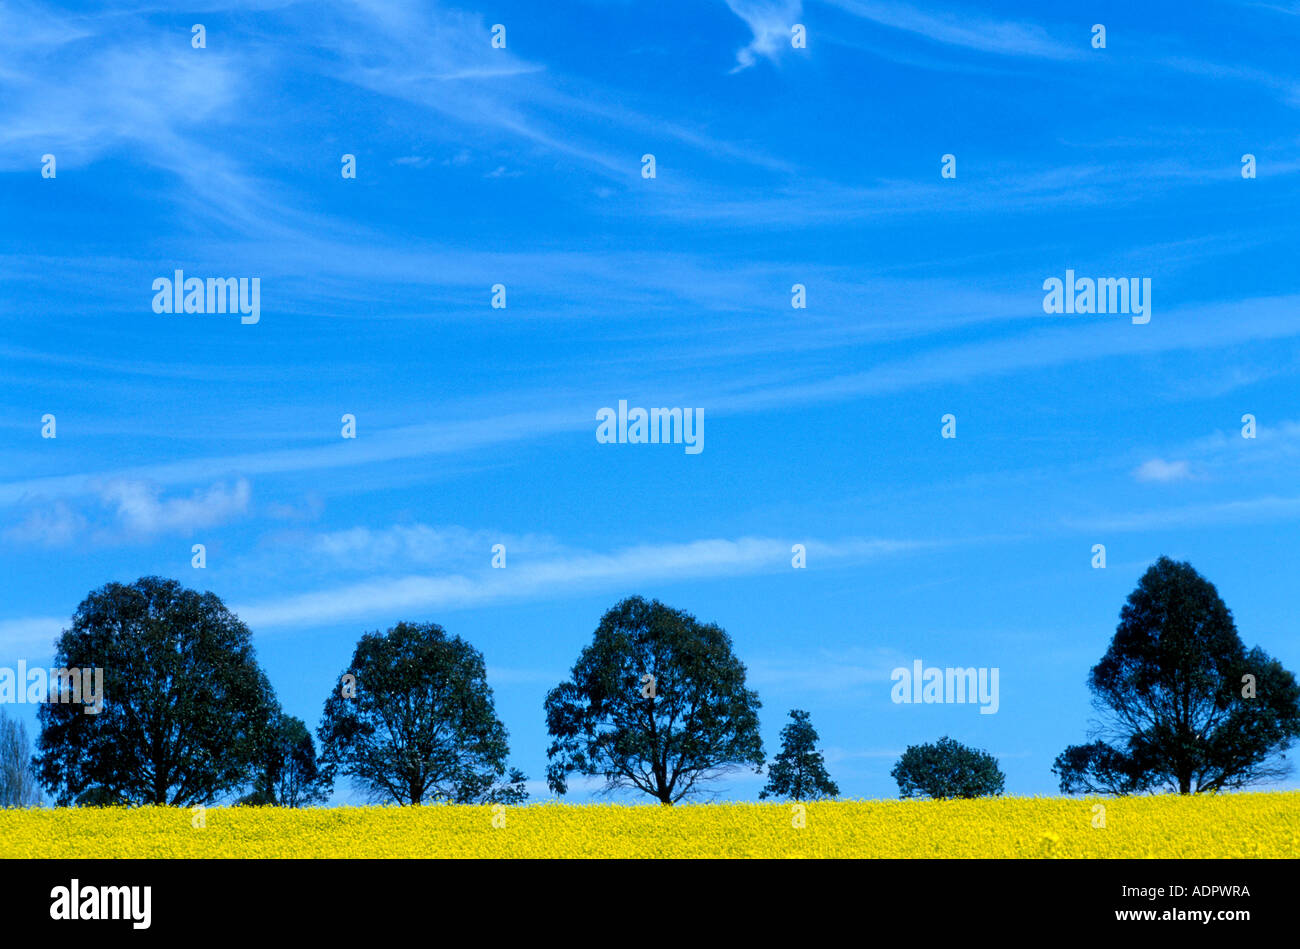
{"points": [[475, 426]]}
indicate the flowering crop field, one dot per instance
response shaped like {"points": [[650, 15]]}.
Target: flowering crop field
{"points": [[1225, 825]]}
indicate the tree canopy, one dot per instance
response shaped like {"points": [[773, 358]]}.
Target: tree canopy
{"points": [[1185, 706], [799, 772], [656, 702], [417, 722], [947, 769], [185, 704], [287, 771]]}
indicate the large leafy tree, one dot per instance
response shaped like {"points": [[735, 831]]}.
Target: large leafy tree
{"points": [[657, 702], [185, 704], [287, 772], [947, 769], [1185, 706], [799, 771], [416, 722]]}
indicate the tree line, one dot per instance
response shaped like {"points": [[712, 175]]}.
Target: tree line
{"points": [[656, 703]]}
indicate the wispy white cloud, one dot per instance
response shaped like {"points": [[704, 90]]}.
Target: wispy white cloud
{"points": [[126, 510], [770, 23], [1226, 455], [365, 548], [1056, 343], [558, 576], [807, 202], [965, 29], [116, 85], [141, 509], [56, 524], [114, 94], [1285, 87], [439, 438], [1246, 511], [1159, 470], [440, 60], [1290, 9], [1010, 38]]}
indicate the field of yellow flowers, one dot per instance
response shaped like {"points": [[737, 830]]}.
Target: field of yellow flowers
{"points": [[1225, 825]]}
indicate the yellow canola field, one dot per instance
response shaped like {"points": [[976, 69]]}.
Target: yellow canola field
{"points": [[1224, 825]]}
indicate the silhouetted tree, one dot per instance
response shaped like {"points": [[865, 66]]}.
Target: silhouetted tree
{"points": [[288, 775], [185, 704], [947, 769], [422, 725], [657, 702], [799, 771], [1185, 705]]}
